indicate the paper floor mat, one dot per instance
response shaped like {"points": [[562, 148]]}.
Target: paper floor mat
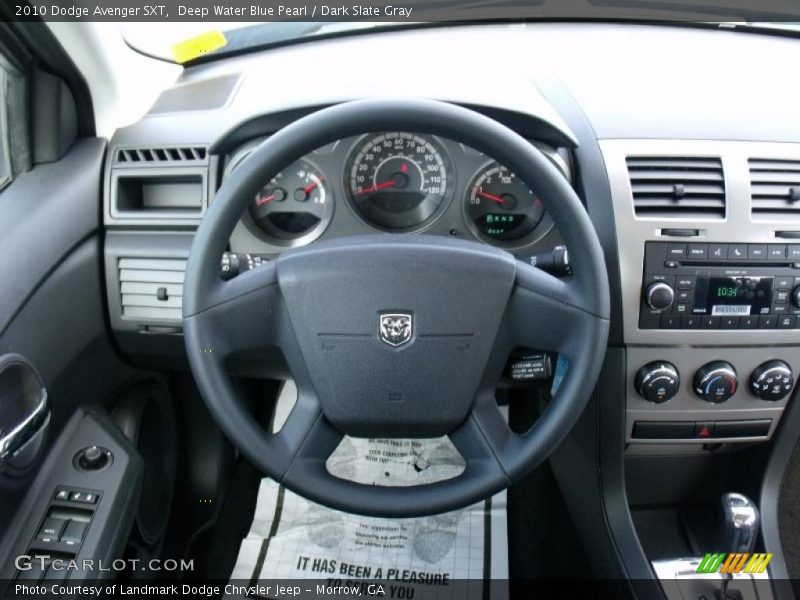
{"points": [[292, 538]]}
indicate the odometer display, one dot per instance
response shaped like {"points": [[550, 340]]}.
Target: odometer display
{"points": [[398, 181]]}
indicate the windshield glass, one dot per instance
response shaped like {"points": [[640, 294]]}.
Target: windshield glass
{"points": [[159, 39]]}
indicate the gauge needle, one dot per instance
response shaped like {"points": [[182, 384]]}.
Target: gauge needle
{"points": [[489, 196], [378, 186], [310, 187], [265, 199]]}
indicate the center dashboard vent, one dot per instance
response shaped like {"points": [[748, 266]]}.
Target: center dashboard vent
{"points": [[677, 187], [151, 289], [775, 187], [173, 155]]}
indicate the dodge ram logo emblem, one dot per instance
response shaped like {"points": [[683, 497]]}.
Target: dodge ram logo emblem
{"points": [[395, 329]]}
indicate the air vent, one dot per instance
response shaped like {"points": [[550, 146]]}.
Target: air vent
{"points": [[170, 155], [775, 187], [151, 289], [677, 186]]}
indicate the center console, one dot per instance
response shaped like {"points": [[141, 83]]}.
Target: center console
{"points": [[709, 256]]}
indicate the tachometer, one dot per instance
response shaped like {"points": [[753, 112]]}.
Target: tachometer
{"points": [[398, 181], [501, 207], [295, 206]]}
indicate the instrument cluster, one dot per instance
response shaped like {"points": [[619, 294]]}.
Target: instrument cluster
{"points": [[396, 182]]}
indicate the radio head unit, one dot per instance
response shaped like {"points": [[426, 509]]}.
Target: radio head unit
{"points": [[720, 286]]}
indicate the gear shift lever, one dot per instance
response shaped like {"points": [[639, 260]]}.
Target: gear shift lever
{"points": [[739, 531]]}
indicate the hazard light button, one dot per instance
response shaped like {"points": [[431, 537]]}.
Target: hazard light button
{"points": [[703, 429]]}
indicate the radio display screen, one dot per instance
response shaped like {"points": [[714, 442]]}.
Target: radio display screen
{"points": [[740, 296]]}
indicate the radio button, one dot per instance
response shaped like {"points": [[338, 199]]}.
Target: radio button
{"points": [[708, 322], [779, 309], [783, 283], [676, 251], [767, 322], [684, 296], [670, 322], [659, 296], [700, 252], [786, 321], [748, 322], [776, 252], [757, 252], [690, 322], [793, 252], [682, 308], [717, 251], [737, 252], [729, 323], [685, 282]]}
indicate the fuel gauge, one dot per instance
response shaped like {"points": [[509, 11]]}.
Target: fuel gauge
{"points": [[296, 206]]}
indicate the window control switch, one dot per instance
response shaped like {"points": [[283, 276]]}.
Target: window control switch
{"points": [[51, 530], [74, 532]]}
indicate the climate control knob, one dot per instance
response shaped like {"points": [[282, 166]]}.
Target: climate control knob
{"points": [[772, 380], [657, 381], [659, 295], [716, 382]]}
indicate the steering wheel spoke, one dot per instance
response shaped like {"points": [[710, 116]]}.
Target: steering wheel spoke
{"points": [[547, 313], [242, 314]]}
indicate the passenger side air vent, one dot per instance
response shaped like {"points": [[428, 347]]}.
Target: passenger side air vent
{"points": [[178, 154], [775, 187], [151, 289], [678, 187]]}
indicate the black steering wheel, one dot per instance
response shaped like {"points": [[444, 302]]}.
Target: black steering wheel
{"points": [[396, 336]]}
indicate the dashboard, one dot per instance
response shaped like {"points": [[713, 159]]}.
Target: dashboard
{"points": [[396, 182], [691, 188]]}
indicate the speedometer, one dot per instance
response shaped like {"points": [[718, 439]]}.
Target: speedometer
{"points": [[398, 181]]}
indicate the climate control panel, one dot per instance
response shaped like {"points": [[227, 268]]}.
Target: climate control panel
{"points": [[678, 394], [715, 382]]}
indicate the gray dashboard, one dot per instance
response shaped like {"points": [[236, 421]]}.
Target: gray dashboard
{"points": [[655, 91]]}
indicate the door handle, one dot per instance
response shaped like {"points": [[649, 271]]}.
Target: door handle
{"points": [[24, 411]]}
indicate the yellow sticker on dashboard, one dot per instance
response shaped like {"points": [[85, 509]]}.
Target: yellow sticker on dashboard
{"points": [[197, 46]]}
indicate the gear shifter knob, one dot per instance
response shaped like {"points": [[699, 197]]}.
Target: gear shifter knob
{"points": [[740, 526]]}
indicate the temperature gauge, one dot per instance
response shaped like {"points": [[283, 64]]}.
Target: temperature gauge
{"points": [[296, 206]]}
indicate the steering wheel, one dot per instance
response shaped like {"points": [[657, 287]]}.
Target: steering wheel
{"points": [[394, 335]]}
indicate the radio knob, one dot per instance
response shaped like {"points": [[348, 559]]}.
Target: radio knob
{"points": [[657, 381], [796, 296], [772, 380], [659, 295], [716, 382]]}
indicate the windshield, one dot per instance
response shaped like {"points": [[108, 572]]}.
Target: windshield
{"points": [[159, 39], [163, 40]]}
